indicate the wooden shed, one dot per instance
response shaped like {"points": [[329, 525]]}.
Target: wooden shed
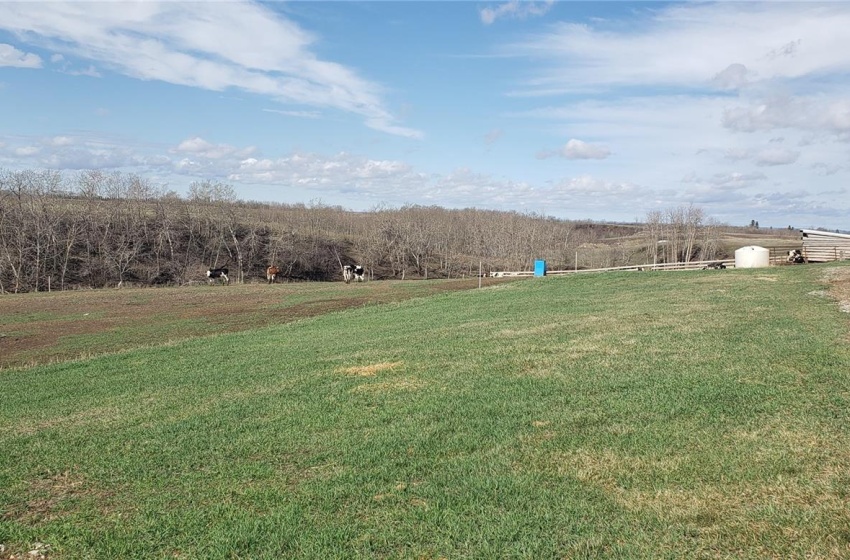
{"points": [[825, 246]]}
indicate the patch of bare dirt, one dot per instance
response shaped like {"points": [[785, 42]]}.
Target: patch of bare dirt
{"points": [[838, 280], [49, 497], [39, 328]]}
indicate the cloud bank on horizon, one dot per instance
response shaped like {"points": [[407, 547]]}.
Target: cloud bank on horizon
{"points": [[579, 110]]}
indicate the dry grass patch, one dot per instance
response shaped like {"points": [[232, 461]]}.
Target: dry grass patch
{"points": [[732, 518], [809, 505], [51, 497], [101, 416], [838, 281], [605, 468], [821, 455], [371, 369]]}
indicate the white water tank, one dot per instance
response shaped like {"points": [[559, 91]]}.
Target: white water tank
{"points": [[752, 256]]}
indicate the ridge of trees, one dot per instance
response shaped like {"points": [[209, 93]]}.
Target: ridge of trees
{"points": [[99, 229]]}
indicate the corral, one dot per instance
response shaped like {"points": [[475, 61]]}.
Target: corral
{"points": [[825, 246]]}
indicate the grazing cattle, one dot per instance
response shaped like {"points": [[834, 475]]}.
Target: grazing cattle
{"points": [[271, 273], [796, 256], [352, 272], [214, 274], [715, 266]]}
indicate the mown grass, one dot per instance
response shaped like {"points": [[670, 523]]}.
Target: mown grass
{"points": [[663, 415]]}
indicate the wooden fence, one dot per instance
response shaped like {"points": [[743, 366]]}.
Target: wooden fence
{"points": [[817, 246], [692, 265], [825, 246]]}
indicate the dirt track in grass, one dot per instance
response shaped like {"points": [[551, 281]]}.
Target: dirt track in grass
{"points": [[41, 328]]}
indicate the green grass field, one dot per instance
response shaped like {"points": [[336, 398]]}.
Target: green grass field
{"points": [[622, 415]]}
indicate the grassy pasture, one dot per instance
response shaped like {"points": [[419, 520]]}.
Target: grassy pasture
{"points": [[624, 415], [39, 328]]}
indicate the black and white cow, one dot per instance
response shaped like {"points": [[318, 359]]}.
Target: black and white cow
{"points": [[352, 272], [214, 274], [796, 256]]}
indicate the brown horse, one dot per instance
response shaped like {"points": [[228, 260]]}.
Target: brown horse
{"points": [[271, 273]]}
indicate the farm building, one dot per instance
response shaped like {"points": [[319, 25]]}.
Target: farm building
{"points": [[825, 246]]}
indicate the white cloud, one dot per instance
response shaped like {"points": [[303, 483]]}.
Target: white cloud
{"points": [[576, 149], [340, 171], [73, 153], [735, 180], [88, 157], [10, 56], [216, 46], [59, 141], [201, 148], [26, 151], [735, 76], [593, 186], [822, 113], [361, 182], [771, 156], [515, 9], [826, 169], [91, 71], [708, 45], [776, 156]]}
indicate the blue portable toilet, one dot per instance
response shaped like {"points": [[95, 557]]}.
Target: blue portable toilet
{"points": [[539, 268]]}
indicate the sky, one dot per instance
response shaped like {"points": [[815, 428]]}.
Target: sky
{"points": [[602, 110]]}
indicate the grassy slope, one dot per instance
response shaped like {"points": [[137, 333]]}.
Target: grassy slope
{"points": [[40, 328], [671, 415]]}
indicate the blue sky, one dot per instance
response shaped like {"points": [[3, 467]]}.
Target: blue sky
{"points": [[580, 110]]}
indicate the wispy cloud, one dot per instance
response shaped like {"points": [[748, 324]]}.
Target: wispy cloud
{"points": [[776, 156], [515, 9], [493, 136], [216, 46], [26, 151], [91, 71], [10, 56], [363, 181], [298, 114], [824, 113], [306, 169], [199, 147], [701, 45]]}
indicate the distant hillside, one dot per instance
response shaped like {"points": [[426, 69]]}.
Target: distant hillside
{"points": [[96, 230]]}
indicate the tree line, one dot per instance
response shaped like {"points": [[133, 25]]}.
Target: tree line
{"points": [[96, 229]]}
